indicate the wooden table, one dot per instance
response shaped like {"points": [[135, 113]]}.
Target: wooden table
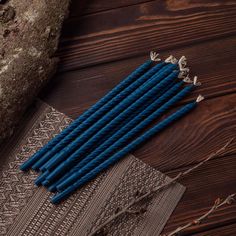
{"points": [[103, 41]]}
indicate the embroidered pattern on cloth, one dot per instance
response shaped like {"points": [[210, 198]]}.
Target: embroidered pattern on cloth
{"points": [[16, 187], [26, 210]]}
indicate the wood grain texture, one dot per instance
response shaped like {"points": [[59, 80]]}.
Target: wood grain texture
{"points": [[134, 30], [227, 230], [95, 6], [194, 137], [106, 40], [216, 71], [204, 186]]}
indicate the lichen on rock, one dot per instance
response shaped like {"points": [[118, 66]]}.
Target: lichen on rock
{"points": [[29, 33]]}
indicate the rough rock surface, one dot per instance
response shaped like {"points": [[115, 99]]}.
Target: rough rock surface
{"points": [[29, 33]]}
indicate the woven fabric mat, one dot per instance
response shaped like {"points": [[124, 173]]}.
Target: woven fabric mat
{"points": [[26, 209]]}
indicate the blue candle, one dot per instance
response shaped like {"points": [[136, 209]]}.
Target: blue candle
{"points": [[121, 86], [43, 176], [108, 117], [112, 114], [52, 187], [96, 116], [125, 126], [120, 154], [118, 125], [91, 161], [81, 139]]}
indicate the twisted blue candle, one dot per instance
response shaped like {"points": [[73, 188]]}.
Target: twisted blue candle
{"points": [[112, 114], [122, 129], [155, 91], [80, 140], [121, 86], [108, 117], [91, 161], [96, 116], [53, 162], [43, 176], [52, 187], [120, 154]]}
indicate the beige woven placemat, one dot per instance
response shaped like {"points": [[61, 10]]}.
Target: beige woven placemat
{"points": [[26, 209]]}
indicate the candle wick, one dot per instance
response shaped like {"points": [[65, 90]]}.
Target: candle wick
{"points": [[183, 61], [171, 59], [195, 82], [154, 56], [188, 80], [199, 98], [182, 67]]}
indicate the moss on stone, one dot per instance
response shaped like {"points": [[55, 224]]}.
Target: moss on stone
{"points": [[29, 33]]}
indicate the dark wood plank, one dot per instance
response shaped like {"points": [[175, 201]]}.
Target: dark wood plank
{"points": [[204, 186], [134, 30], [194, 137], [109, 38], [75, 91], [94, 6], [228, 230]]}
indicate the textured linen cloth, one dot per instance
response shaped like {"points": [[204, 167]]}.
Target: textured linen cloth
{"points": [[26, 209]]}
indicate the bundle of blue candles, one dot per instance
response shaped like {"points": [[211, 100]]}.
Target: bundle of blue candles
{"points": [[114, 126]]}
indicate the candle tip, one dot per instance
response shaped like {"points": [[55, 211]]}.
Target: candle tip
{"points": [[188, 80], [199, 98], [182, 66], [195, 82], [154, 56], [171, 59]]}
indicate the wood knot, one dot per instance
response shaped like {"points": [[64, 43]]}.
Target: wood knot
{"points": [[7, 14]]}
